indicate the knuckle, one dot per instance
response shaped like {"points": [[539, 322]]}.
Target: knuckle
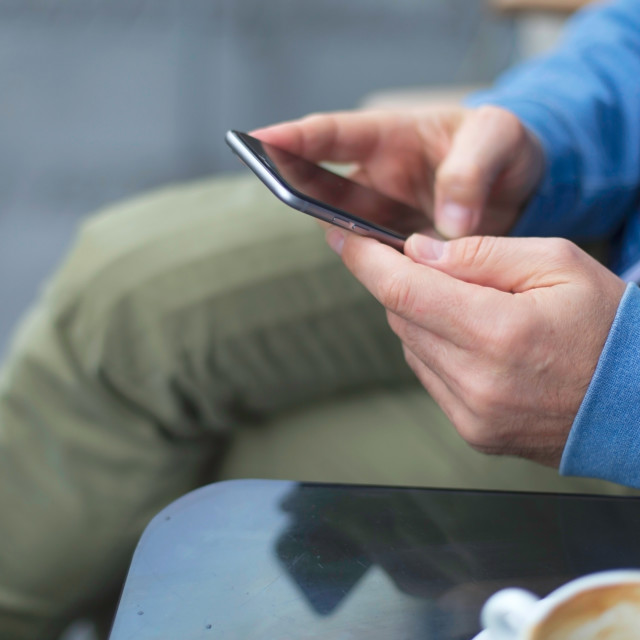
{"points": [[487, 112], [396, 292], [472, 251], [312, 117], [480, 436], [492, 116], [467, 179], [505, 338], [410, 335], [481, 394], [396, 323], [563, 250], [412, 360], [488, 394], [488, 447]]}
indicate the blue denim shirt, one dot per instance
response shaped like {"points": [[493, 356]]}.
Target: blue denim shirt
{"points": [[583, 103]]}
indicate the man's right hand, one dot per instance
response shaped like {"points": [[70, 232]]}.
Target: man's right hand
{"points": [[470, 170]]}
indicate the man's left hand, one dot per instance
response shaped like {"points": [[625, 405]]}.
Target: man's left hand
{"points": [[505, 333]]}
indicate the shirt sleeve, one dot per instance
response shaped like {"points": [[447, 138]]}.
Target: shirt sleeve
{"points": [[583, 103], [604, 441]]}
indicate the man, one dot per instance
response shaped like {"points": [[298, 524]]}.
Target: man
{"points": [[510, 359], [196, 314]]}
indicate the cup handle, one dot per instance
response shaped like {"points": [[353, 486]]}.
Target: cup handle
{"points": [[506, 613]]}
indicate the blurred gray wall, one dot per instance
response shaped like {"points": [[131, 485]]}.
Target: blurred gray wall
{"points": [[103, 98]]}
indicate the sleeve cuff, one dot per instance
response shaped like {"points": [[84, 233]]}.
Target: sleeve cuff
{"points": [[604, 441]]}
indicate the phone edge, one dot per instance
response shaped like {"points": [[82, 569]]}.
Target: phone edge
{"points": [[304, 206]]}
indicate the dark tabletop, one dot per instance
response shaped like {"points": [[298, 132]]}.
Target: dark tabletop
{"points": [[257, 559]]}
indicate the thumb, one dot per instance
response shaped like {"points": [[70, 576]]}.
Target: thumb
{"points": [[508, 264], [482, 148]]}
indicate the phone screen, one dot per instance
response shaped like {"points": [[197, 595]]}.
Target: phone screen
{"points": [[323, 191]]}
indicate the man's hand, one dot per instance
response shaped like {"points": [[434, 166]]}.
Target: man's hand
{"points": [[469, 170], [505, 333]]}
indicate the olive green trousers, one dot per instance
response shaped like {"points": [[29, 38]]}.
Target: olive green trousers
{"points": [[198, 333]]}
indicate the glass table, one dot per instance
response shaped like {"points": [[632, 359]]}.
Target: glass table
{"points": [[258, 559]]}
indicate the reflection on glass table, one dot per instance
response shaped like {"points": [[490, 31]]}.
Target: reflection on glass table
{"points": [[256, 559]]}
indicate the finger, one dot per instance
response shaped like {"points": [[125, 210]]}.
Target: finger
{"points": [[483, 147], [476, 433], [446, 399], [437, 353], [454, 367], [446, 306], [336, 137], [509, 264]]}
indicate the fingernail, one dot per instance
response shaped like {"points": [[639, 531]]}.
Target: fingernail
{"points": [[455, 220], [335, 239], [427, 248]]}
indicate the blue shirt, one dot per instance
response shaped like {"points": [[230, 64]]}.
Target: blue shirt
{"points": [[583, 103]]}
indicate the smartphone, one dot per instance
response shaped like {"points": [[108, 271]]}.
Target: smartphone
{"points": [[316, 191]]}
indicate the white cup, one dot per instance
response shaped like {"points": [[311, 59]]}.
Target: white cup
{"points": [[598, 606]]}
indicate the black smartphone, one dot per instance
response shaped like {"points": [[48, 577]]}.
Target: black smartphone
{"points": [[314, 190]]}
